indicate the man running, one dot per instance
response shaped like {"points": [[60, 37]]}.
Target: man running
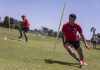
{"points": [[24, 27], [71, 39]]}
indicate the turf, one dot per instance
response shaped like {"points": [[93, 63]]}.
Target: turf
{"points": [[37, 54]]}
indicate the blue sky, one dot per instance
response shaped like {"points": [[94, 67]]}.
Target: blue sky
{"points": [[47, 12]]}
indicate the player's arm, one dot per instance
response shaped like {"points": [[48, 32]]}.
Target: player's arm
{"points": [[83, 39], [63, 39], [82, 36]]}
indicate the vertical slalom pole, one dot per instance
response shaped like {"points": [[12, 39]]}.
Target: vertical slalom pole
{"points": [[59, 29], [9, 24]]}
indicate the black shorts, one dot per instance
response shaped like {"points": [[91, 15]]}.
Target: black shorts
{"points": [[94, 42], [75, 44], [25, 29]]}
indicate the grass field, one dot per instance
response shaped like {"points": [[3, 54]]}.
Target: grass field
{"points": [[16, 54]]}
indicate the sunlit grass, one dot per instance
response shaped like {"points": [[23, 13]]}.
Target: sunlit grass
{"points": [[16, 54]]}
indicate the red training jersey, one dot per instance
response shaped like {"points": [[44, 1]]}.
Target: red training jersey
{"points": [[26, 23], [70, 32]]}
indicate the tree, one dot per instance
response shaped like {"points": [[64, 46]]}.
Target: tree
{"points": [[45, 30], [50, 32], [98, 35], [12, 23], [60, 34], [55, 34], [0, 19], [6, 21], [0, 22], [17, 24]]}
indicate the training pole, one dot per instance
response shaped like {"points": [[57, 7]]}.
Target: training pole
{"points": [[59, 29], [9, 24]]}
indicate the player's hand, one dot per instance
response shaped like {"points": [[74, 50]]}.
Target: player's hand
{"points": [[87, 46]]}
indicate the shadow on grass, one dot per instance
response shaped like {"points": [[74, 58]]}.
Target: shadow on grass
{"points": [[97, 48], [14, 39], [50, 61]]}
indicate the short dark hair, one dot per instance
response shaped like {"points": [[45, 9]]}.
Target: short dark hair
{"points": [[72, 15], [23, 16]]}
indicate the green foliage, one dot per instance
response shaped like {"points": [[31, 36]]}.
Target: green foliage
{"points": [[6, 21], [98, 35], [9, 21]]}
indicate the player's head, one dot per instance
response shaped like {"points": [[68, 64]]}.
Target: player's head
{"points": [[72, 18], [23, 16]]}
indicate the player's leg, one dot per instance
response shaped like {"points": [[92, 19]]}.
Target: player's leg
{"points": [[20, 32], [24, 32], [25, 36], [70, 51], [77, 47], [79, 50]]}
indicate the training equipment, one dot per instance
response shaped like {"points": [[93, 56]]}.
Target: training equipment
{"points": [[5, 38], [9, 24], [59, 29]]}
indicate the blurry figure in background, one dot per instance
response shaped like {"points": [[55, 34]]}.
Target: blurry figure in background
{"points": [[24, 28], [94, 40]]}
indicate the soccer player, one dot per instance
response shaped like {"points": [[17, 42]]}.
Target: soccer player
{"points": [[70, 31], [24, 27]]}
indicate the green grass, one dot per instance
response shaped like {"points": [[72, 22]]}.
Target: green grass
{"points": [[17, 54]]}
